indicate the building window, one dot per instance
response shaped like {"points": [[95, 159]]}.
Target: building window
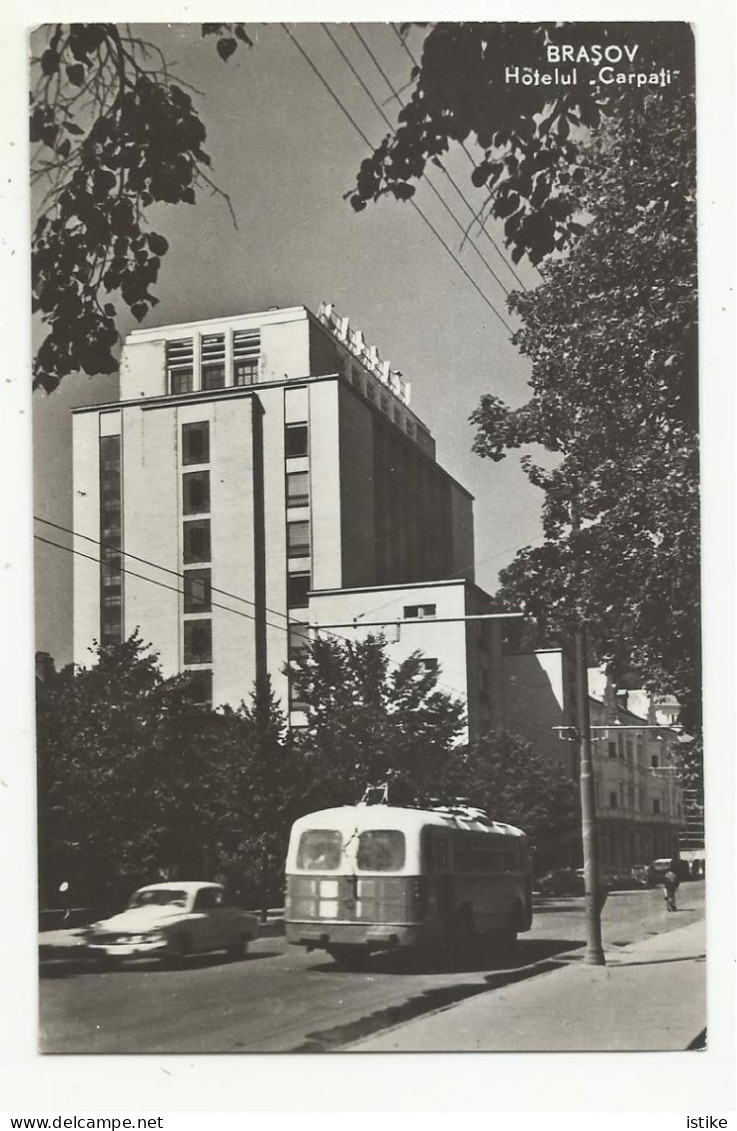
{"points": [[196, 442], [613, 800], [196, 541], [199, 688], [417, 612], [654, 761], [409, 425], [298, 487], [656, 804], [428, 664], [629, 751], [180, 365], [212, 360], [111, 531], [298, 539], [197, 591], [196, 492], [483, 684], [298, 640], [295, 440], [198, 641], [246, 356], [298, 586], [612, 747]]}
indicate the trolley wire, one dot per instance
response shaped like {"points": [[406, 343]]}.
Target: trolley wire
{"points": [[414, 204]]}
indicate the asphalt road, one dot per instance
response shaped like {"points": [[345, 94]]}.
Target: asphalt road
{"points": [[281, 999]]}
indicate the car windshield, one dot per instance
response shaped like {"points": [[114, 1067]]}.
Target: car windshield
{"points": [[158, 897]]}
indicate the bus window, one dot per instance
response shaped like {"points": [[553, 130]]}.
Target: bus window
{"points": [[380, 850], [319, 850]]}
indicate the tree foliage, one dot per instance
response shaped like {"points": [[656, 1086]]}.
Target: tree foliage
{"points": [[135, 784], [112, 132], [503, 774], [527, 139], [370, 721], [612, 336]]}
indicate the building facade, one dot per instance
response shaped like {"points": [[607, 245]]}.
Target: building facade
{"points": [[639, 802], [258, 475]]}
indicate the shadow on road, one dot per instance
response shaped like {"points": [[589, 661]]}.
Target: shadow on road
{"points": [[84, 966], [340, 1037], [474, 959]]}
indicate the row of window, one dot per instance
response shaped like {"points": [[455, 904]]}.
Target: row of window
{"points": [[245, 358], [111, 535], [197, 549], [624, 749], [616, 801]]}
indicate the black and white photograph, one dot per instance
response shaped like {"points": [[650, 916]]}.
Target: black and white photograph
{"points": [[368, 519]]}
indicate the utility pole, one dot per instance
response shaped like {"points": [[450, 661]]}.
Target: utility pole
{"points": [[594, 955]]}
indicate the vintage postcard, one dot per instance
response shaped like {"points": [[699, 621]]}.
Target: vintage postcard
{"points": [[369, 484]]}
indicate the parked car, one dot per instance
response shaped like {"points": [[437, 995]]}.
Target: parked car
{"points": [[643, 875], [561, 881], [621, 881], [171, 920]]}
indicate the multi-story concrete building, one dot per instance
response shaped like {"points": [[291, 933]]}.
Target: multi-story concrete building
{"points": [[260, 474]]}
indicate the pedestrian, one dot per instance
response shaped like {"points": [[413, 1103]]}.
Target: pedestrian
{"points": [[671, 882]]}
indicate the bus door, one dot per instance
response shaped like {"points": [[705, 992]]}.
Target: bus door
{"points": [[437, 869]]}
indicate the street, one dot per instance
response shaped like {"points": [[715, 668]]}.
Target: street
{"points": [[281, 999]]}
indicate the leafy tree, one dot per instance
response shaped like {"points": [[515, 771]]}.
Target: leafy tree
{"points": [[503, 774], [528, 140], [370, 721], [611, 333], [134, 783], [266, 784], [112, 132]]}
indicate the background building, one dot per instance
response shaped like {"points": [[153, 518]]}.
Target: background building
{"points": [[260, 473]]}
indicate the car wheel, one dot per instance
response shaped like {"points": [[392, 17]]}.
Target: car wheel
{"points": [[238, 950], [178, 950]]}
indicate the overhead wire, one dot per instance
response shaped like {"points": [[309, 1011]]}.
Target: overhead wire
{"points": [[412, 202], [181, 575], [425, 176], [474, 213], [469, 155]]}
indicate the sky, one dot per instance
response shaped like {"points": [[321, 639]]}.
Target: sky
{"points": [[285, 153]]}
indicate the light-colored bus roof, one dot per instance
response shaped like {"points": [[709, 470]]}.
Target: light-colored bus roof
{"points": [[408, 820]]}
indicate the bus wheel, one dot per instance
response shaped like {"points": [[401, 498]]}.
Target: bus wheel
{"points": [[349, 957], [504, 941]]}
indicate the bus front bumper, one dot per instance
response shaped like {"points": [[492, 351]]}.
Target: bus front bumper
{"points": [[317, 935]]}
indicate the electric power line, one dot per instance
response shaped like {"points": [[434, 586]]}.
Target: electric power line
{"points": [[237, 612], [416, 207], [449, 175], [469, 155], [425, 176]]}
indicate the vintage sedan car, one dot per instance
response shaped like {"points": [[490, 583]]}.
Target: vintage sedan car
{"points": [[171, 920], [561, 881]]}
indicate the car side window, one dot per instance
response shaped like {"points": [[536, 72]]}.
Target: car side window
{"points": [[206, 900]]}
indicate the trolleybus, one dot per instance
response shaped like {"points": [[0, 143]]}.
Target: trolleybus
{"points": [[366, 878]]}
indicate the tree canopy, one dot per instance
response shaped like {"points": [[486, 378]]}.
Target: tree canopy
{"points": [[369, 721], [612, 336], [135, 784], [112, 132], [528, 141]]}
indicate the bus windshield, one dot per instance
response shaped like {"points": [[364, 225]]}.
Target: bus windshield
{"points": [[381, 850], [319, 850]]}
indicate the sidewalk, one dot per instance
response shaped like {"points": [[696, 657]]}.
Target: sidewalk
{"points": [[651, 996]]}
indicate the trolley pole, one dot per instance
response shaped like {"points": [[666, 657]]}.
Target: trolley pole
{"points": [[594, 955]]}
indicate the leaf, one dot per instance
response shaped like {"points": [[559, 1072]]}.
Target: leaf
{"points": [[49, 62], [158, 244], [225, 48], [75, 74]]}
